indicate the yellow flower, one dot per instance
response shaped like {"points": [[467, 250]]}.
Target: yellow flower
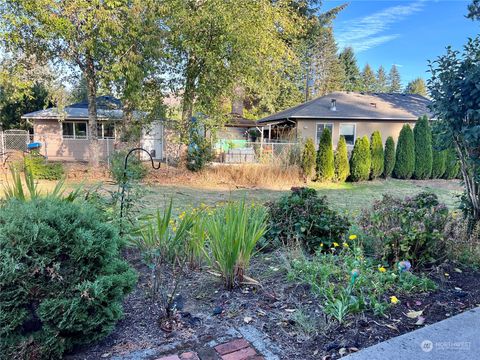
{"points": [[182, 215], [345, 245], [447, 274], [335, 244], [321, 244], [382, 269], [394, 300], [352, 237]]}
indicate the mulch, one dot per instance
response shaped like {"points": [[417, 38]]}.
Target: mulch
{"points": [[207, 311]]}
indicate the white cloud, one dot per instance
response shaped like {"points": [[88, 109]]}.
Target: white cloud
{"points": [[366, 32]]}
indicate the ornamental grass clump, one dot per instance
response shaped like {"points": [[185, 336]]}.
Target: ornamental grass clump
{"points": [[62, 277], [233, 231]]}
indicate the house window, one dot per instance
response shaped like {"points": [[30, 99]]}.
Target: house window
{"points": [[348, 132], [106, 130], [74, 130], [321, 127]]}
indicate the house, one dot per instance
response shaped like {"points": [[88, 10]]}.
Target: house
{"points": [[64, 133], [348, 114]]}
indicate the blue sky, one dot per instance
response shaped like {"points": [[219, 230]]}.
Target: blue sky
{"points": [[406, 33]]}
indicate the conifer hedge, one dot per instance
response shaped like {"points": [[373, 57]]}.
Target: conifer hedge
{"points": [[452, 166], [361, 161], [422, 134], [439, 163], [376, 149], [342, 167], [325, 161], [309, 158], [405, 154], [389, 162]]}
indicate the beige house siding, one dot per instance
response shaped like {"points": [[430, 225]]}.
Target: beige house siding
{"points": [[49, 133], [306, 128]]}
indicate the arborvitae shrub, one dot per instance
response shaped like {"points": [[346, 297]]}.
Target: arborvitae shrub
{"points": [[422, 134], [405, 154], [360, 162], [376, 149], [63, 279], [452, 166], [389, 162], [342, 167], [439, 163], [309, 158], [325, 162], [41, 169]]}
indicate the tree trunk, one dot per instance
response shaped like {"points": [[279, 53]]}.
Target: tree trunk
{"points": [[188, 96], [94, 148]]}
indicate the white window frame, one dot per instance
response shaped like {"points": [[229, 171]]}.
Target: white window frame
{"points": [[354, 132], [103, 123], [316, 130], [74, 135]]}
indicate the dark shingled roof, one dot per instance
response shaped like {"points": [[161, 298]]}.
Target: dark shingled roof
{"points": [[359, 106]]}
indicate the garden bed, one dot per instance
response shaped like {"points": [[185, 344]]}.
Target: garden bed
{"points": [[275, 308]]}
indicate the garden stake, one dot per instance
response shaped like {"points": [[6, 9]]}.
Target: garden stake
{"points": [[124, 180]]}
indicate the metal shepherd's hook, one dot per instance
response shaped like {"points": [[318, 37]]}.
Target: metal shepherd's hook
{"points": [[124, 178]]}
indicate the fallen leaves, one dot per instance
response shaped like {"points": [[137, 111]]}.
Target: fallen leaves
{"points": [[414, 314]]}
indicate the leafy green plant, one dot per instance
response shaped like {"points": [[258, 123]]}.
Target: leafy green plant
{"points": [[389, 162], [361, 161], [422, 134], [342, 167], [199, 152], [162, 243], [304, 218], [63, 280], [376, 149], [405, 154], [410, 228], [41, 169], [309, 158], [439, 164], [135, 168], [233, 232], [325, 162], [452, 165]]}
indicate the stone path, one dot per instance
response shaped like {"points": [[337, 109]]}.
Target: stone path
{"points": [[455, 338]]}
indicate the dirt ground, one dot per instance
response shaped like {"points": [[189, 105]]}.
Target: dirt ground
{"points": [[207, 311]]}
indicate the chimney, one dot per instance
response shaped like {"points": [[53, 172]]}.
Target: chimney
{"points": [[333, 105], [373, 104]]}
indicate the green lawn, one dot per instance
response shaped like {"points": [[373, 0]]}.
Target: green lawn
{"points": [[349, 197]]}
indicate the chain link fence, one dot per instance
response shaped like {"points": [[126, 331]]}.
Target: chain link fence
{"points": [[13, 143]]}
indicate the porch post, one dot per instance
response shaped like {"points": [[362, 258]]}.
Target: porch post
{"points": [[269, 133]]}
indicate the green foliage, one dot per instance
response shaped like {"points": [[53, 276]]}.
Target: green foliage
{"points": [[325, 159], [395, 84], [439, 164], [135, 168], [369, 81], [417, 86], [352, 73], [233, 232], [422, 135], [452, 165], [199, 152], [309, 158], [304, 218], [346, 282], [407, 229], [405, 154], [342, 166], [63, 280], [376, 149], [41, 169], [389, 162], [361, 160], [382, 80]]}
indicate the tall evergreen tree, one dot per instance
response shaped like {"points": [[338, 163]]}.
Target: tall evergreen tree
{"points": [[309, 158], [422, 134], [405, 154], [342, 167], [369, 81], [439, 164], [361, 160], [382, 80], [352, 73], [394, 81], [417, 86], [376, 149], [389, 162], [452, 165], [328, 70], [325, 158]]}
